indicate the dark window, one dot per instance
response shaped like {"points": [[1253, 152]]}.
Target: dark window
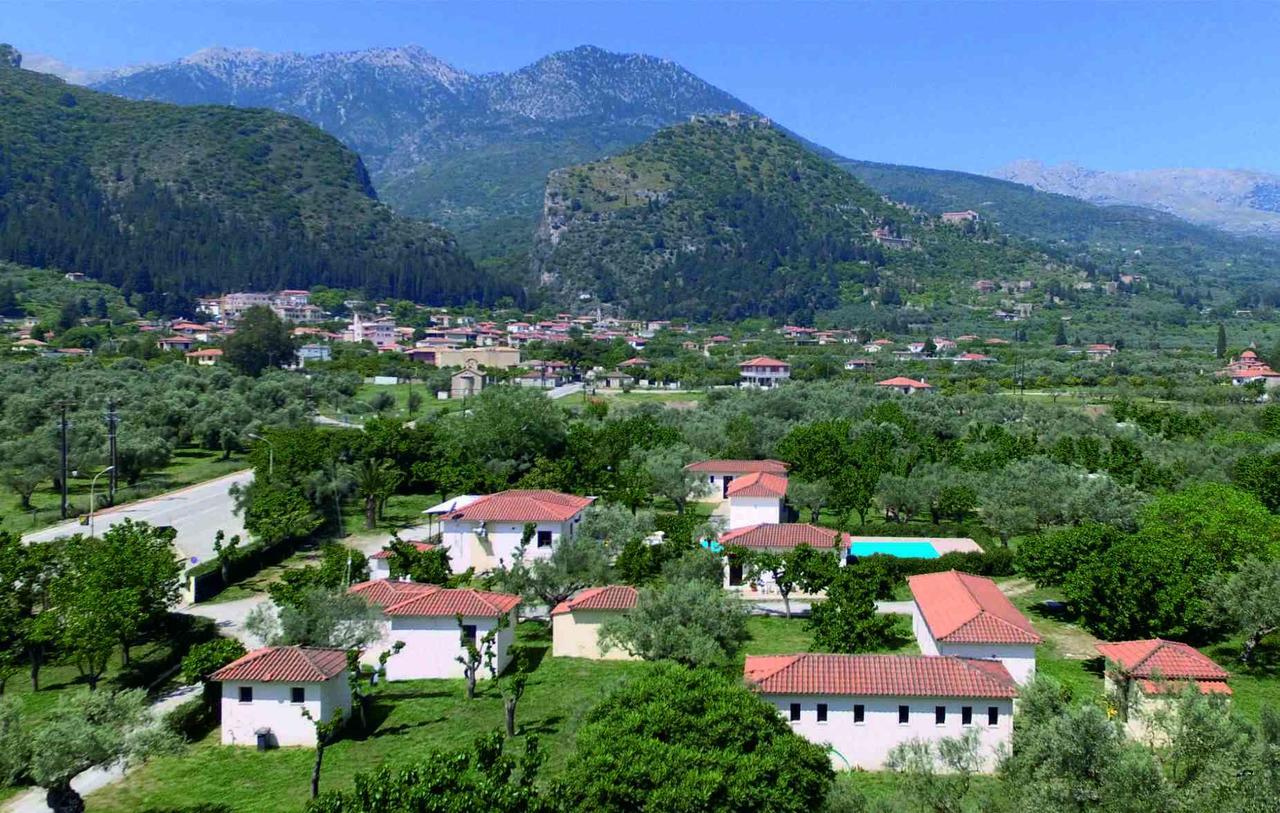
{"points": [[298, 694], [904, 715], [544, 539], [859, 713], [795, 712], [966, 715], [993, 715], [725, 486], [735, 573], [822, 712], [940, 715], [469, 634], [246, 694]]}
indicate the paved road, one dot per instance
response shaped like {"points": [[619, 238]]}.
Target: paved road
{"points": [[564, 390], [196, 512]]}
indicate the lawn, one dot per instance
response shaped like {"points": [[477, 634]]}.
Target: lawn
{"points": [[775, 635], [409, 719], [186, 467], [1255, 685], [400, 392]]}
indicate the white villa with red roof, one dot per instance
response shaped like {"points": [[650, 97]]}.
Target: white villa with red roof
{"points": [[1248, 368], [425, 618], [967, 616], [756, 498], [1145, 676], [575, 624], [779, 539], [267, 689], [721, 473], [763, 372], [904, 385], [485, 532], [862, 706]]}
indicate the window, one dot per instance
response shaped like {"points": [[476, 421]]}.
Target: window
{"points": [[735, 573], [544, 539], [904, 715], [966, 715], [298, 694], [822, 712], [939, 715], [246, 694], [795, 712], [993, 715], [468, 634], [859, 714]]}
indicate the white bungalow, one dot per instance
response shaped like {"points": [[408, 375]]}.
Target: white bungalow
{"points": [[575, 624], [265, 692], [720, 474], [904, 385], [756, 498], [486, 531], [967, 616], [778, 538], [862, 706]]}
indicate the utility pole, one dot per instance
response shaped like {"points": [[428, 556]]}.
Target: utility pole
{"points": [[62, 426], [113, 421]]}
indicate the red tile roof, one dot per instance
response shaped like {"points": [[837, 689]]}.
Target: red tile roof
{"points": [[960, 608], [385, 592], [880, 675], [788, 535], [422, 547], [1170, 660], [611, 597], [286, 664], [758, 484], [902, 381], [523, 506], [456, 601], [738, 466], [763, 361]]}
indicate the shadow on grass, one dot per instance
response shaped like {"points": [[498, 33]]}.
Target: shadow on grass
{"points": [[545, 726], [376, 732]]}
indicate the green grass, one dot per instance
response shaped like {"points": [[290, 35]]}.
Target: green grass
{"points": [[409, 719], [774, 635], [1254, 685], [430, 403]]}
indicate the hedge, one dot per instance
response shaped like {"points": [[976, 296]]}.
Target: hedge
{"points": [[205, 578]]}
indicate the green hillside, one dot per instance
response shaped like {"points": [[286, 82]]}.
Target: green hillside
{"points": [[157, 198], [732, 218]]}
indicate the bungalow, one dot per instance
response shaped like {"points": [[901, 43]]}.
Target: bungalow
{"points": [[265, 692], [756, 498], [486, 532], [183, 343], [1146, 676], [1248, 368], [721, 473], [779, 538], [618, 380], [575, 624], [862, 706], [859, 364], [958, 614], [380, 562], [763, 372], [1098, 352], [207, 357], [975, 358], [634, 362], [904, 385], [466, 382]]}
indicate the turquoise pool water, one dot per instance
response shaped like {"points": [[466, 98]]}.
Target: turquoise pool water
{"points": [[906, 549]]}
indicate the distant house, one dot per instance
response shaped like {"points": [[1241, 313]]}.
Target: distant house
{"points": [[973, 358], [183, 343], [618, 380], [756, 498], [1146, 676], [859, 364], [1248, 368], [1098, 352], [763, 372], [265, 692], [956, 218], [863, 706], [466, 382], [207, 357], [778, 538], [575, 624], [964, 615], [904, 385], [720, 474], [486, 532], [74, 276], [313, 352]]}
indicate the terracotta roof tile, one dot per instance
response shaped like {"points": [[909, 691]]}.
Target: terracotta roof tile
{"points": [[764, 361], [1160, 658], [385, 592], [902, 381], [286, 664], [787, 535], [758, 484], [738, 466], [880, 675], [456, 601], [422, 547], [611, 597], [523, 506], [962, 608]]}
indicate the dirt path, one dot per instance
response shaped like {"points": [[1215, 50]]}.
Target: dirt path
{"points": [[1068, 639]]}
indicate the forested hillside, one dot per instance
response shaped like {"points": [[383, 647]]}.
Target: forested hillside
{"points": [[729, 217], [172, 202]]}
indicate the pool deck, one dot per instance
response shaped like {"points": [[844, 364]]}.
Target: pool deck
{"points": [[954, 544]]}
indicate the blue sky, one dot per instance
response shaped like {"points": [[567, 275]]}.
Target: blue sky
{"points": [[953, 85]]}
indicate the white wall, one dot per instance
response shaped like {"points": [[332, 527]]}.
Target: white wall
{"points": [[1019, 659], [866, 745], [577, 635], [467, 550], [432, 644], [379, 568], [744, 511], [272, 708]]}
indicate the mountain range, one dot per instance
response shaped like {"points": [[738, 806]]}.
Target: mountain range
{"points": [[1237, 201]]}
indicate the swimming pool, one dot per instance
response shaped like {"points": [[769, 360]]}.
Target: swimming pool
{"points": [[902, 548]]}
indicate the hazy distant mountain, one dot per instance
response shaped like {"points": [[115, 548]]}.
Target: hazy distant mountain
{"points": [[461, 148], [43, 63], [1239, 201]]}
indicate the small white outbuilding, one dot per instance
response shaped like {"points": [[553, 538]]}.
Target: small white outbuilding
{"points": [[265, 692]]}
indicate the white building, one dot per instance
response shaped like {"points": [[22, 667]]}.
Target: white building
{"points": [[1147, 677], [904, 385], [380, 562], [756, 498], [721, 473], [763, 372], [862, 706], [779, 539], [575, 624], [268, 689], [967, 616], [487, 531], [428, 625]]}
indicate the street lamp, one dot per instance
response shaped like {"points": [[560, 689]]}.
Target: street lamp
{"points": [[92, 485], [271, 453]]}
